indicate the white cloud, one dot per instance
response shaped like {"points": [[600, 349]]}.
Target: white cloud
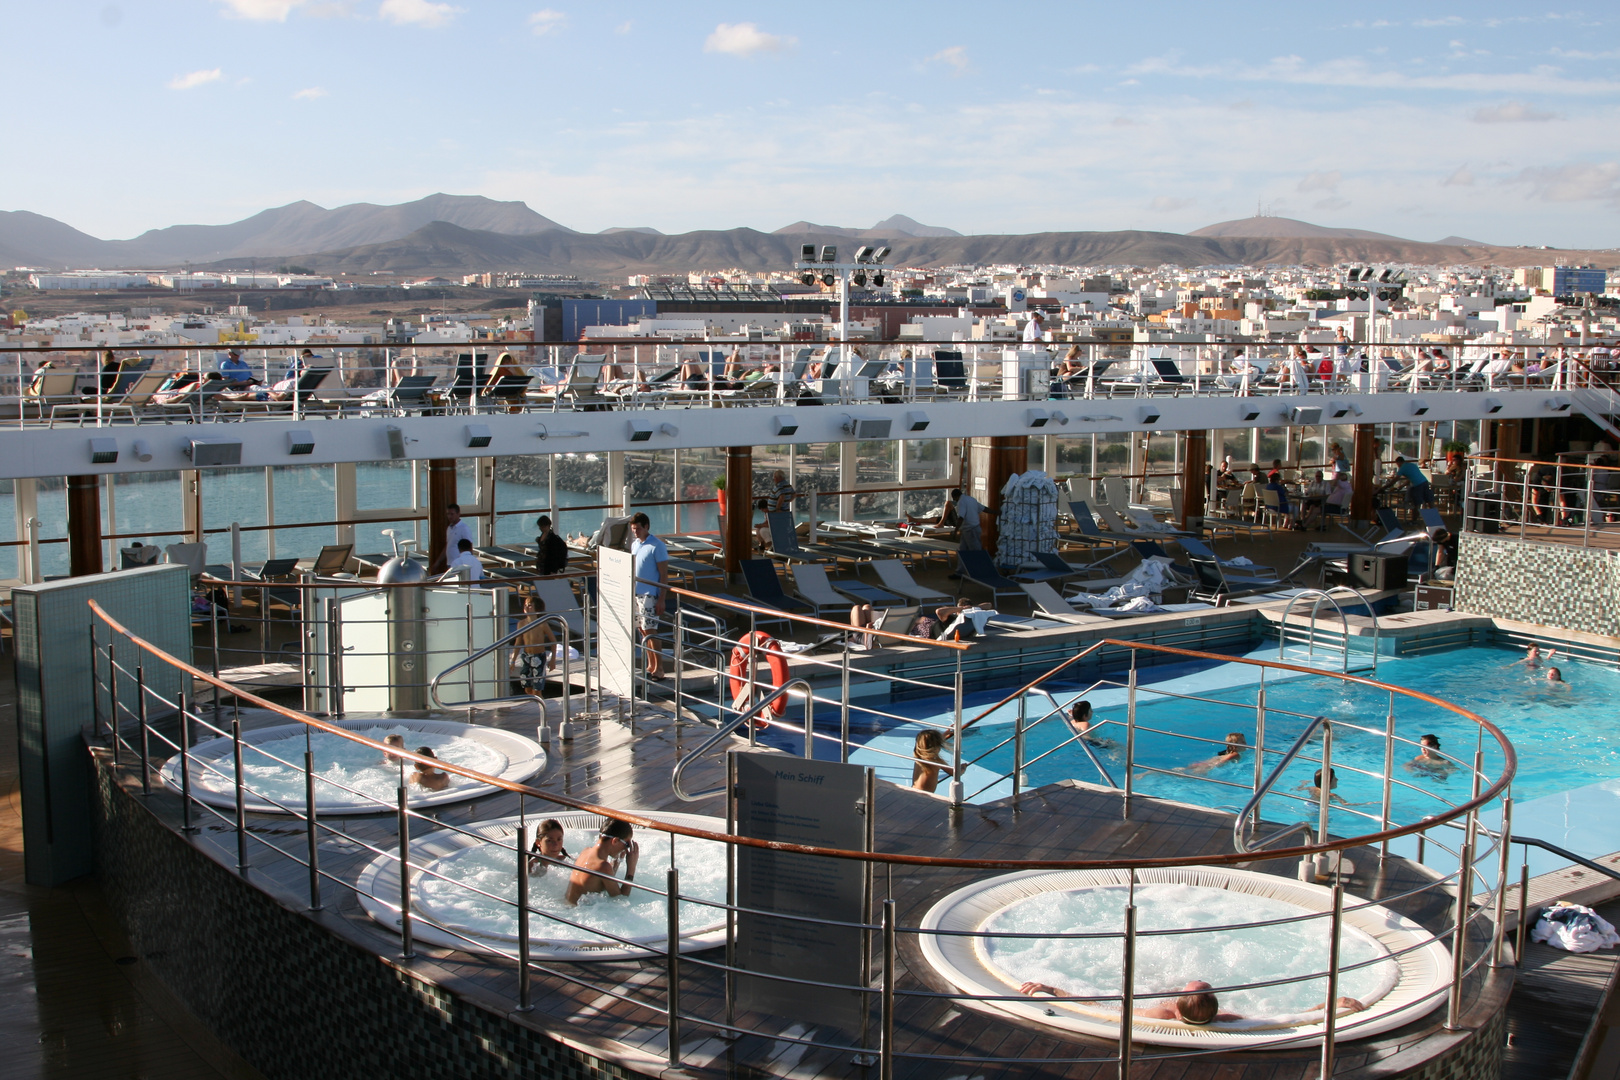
{"points": [[417, 13], [1510, 112], [310, 93], [1164, 204], [1463, 177], [546, 20], [1334, 203], [1449, 20], [745, 39], [194, 79], [1320, 181], [955, 57], [1356, 72], [261, 10], [625, 27], [1581, 182]]}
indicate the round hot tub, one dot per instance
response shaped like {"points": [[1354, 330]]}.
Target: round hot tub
{"points": [[464, 891], [352, 778], [1191, 925]]}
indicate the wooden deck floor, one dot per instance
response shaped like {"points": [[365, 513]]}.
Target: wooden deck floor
{"points": [[628, 765]]}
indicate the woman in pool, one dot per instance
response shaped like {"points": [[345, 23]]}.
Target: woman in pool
{"points": [[1314, 788], [1080, 723], [547, 848], [426, 776], [1233, 752], [1555, 679], [397, 742], [926, 769], [1429, 759]]}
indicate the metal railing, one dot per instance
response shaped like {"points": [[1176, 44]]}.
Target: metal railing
{"points": [[1571, 498], [1318, 597], [133, 721]]}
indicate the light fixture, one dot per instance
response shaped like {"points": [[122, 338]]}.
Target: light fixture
{"points": [[807, 253], [807, 278], [916, 421], [103, 451], [863, 253], [300, 442], [1558, 404], [867, 427], [205, 452], [1036, 418], [1305, 415], [785, 425], [546, 433], [396, 442], [881, 254], [1493, 405], [1419, 407], [668, 429], [1060, 418], [829, 253], [640, 430], [860, 279], [1249, 412], [877, 279], [1148, 414], [1338, 409], [477, 434], [1355, 410], [828, 278], [141, 450]]}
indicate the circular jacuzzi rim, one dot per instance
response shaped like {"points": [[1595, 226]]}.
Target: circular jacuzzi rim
{"points": [[525, 758], [1431, 961], [380, 878]]}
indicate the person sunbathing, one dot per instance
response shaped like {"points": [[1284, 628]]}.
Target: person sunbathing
{"points": [[1196, 1005]]}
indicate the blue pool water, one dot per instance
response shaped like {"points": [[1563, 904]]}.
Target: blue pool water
{"points": [[1567, 742]]}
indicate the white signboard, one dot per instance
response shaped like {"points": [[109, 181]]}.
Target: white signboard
{"points": [[616, 620]]}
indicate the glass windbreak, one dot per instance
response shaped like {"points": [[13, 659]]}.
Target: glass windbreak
{"points": [[650, 475], [877, 462], [379, 485], [581, 481], [1234, 443], [1073, 456], [10, 557], [228, 495], [151, 504], [700, 468], [309, 493], [1037, 452], [816, 474], [521, 483], [51, 502]]}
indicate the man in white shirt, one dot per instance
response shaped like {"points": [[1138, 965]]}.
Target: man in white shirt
{"points": [[464, 557], [455, 532], [1035, 328]]}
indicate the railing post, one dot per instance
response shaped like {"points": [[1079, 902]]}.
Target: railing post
{"points": [[524, 991], [886, 1025], [1459, 935], [241, 801], [1127, 992], [672, 964], [1130, 734], [1330, 1020], [1389, 775], [311, 836], [1505, 842], [407, 947], [185, 766], [957, 787], [112, 699], [1259, 739], [843, 708], [334, 664], [146, 742], [1324, 796], [809, 724], [678, 661], [729, 974], [1586, 516], [1018, 748], [1524, 910], [95, 682]]}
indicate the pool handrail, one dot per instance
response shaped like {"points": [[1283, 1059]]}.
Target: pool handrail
{"points": [[500, 643], [746, 715], [1239, 842], [1316, 596]]}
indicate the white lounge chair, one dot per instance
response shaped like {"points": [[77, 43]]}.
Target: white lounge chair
{"points": [[1052, 606], [558, 596], [896, 578], [816, 590]]}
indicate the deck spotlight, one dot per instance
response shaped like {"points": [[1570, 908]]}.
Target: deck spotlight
{"points": [[1493, 405], [1305, 415], [807, 278], [477, 434], [103, 451], [829, 278], [1037, 418], [1419, 407], [1148, 414], [640, 430], [877, 279], [1355, 410], [807, 253], [829, 253], [668, 429], [881, 254], [141, 450], [1338, 409], [300, 442], [1060, 418], [784, 425], [860, 279], [1249, 412], [863, 253], [1558, 404], [916, 421]]}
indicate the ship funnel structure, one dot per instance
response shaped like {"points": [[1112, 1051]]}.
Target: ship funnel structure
{"points": [[407, 628]]}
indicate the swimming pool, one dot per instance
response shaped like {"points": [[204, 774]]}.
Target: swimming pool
{"points": [[1565, 739]]}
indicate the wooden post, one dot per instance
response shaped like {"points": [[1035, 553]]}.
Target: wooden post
{"points": [[441, 493], [84, 525], [1003, 456], [736, 528], [1362, 468], [1194, 473]]}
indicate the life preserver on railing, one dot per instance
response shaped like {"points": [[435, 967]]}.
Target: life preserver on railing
{"points": [[771, 649]]}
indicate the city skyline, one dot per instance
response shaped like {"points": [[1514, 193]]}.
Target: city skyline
{"points": [[1483, 121]]}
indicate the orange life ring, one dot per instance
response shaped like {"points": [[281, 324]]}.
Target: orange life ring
{"points": [[770, 648]]}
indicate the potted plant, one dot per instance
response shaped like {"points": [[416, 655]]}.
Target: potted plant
{"points": [[720, 494]]}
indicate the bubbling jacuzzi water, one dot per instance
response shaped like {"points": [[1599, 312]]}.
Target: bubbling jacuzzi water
{"points": [[340, 761], [639, 916], [1091, 966]]}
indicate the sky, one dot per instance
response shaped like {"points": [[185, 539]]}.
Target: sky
{"points": [[1489, 120]]}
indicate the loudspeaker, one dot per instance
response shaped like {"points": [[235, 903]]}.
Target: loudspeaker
{"points": [[205, 452], [1378, 571]]}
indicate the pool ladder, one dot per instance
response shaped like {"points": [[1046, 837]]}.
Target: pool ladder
{"points": [[1329, 638]]}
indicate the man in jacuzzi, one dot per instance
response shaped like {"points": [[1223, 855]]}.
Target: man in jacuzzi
{"points": [[1196, 1005], [597, 865]]}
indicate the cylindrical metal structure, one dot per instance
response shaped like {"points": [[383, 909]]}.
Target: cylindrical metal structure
{"points": [[407, 947], [84, 525], [185, 766], [311, 836], [1127, 1003], [146, 741], [672, 963], [1331, 1016], [1505, 846], [736, 534], [886, 1026], [525, 1002], [240, 786]]}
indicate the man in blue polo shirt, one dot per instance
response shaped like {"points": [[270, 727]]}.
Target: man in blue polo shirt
{"points": [[237, 373], [1418, 492], [650, 558]]}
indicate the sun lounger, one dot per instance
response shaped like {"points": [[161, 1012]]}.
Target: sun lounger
{"points": [[1047, 601], [557, 594], [897, 579], [765, 588], [979, 569], [816, 590]]}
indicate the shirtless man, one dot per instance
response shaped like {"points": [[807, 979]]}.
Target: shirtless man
{"points": [[1429, 760], [597, 865], [1533, 657], [1196, 1005]]}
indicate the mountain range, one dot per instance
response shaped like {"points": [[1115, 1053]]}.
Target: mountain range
{"points": [[456, 234]]}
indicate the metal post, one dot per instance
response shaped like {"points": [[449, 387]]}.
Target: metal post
{"points": [[1018, 747], [407, 948], [1130, 733], [1330, 1021], [1389, 774], [957, 788], [1524, 911], [868, 881], [311, 837], [1259, 738], [672, 963], [185, 767], [678, 661], [1586, 517], [731, 895], [1505, 843], [843, 708], [524, 992], [1459, 933], [241, 805], [809, 724], [146, 744], [1324, 795], [334, 652], [1127, 983], [886, 1027], [112, 699], [95, 682]]}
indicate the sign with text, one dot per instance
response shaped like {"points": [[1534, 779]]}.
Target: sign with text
{"points": [[820, 803], [616, 620]]}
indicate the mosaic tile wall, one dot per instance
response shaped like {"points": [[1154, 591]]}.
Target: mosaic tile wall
{"points": [[294, 1001], [1551, 584]]}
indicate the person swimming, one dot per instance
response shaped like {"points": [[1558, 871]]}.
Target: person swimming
{"points": [[1429, 759], [1555, 679], [1232, 752], [396, 742], [547, 848], [1533, 657], [426, 776], [1079, 722]]}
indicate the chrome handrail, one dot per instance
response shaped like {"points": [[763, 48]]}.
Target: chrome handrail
{"points": [[550, 617], [1316, 596], [678, 774], [1261, 789]]}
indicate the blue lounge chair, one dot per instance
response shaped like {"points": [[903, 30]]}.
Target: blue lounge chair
{"points": [[765, 588], [977, 568]]}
